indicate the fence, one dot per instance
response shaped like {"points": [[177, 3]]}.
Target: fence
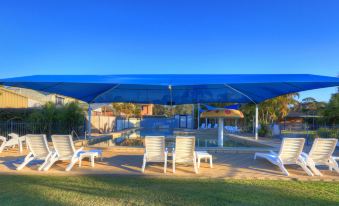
{"points": [[23, 128]]}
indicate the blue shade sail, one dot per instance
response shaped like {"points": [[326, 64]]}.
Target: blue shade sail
{"points": [[173, 88]]}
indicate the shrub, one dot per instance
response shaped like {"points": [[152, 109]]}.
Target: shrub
{"points": [[264, 131], [328, 133]]}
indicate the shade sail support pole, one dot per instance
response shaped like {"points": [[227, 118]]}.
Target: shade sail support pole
{"points": [[89, 123], [198, 116], [256, 121], [220, 132]]}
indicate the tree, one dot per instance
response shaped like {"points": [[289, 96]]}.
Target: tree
{"points": [[127, 109], [161, 110], [331, 111], [271, 110]]}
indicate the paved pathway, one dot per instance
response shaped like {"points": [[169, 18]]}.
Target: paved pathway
{"points": [[122, 162]]}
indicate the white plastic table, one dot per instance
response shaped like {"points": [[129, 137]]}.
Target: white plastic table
{"points": [[205, 155], [90, 155]]}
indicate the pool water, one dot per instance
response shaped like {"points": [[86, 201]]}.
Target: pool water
{"points": [[135, 138]]}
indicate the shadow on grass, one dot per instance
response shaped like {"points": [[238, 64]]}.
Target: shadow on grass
{"points": [[130, 190]]}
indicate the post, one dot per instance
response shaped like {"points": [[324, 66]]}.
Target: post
{"points": [[89, 124], [220, 132], [256, 121], [193, 117], [198, 116]]}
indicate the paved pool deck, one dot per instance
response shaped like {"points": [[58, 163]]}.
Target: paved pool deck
{"points": [[128, 161]]}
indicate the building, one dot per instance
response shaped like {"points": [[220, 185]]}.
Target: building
{"points": [[37, 99], [146, 109], [10, 99]]}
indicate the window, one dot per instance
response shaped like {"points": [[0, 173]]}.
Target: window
{"points": [[59, 100]]}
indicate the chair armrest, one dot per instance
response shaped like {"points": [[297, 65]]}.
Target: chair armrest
{"points": [[304, 155], [3, 139], [77, 151], [335, 158]]}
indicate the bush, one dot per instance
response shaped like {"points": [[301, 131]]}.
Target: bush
{"points": [[328, 133], [132, 142], [51, 119], [264, 131]]}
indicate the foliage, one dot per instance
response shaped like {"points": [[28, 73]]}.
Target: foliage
{"points": [[264, 130], [270, 110], [127, 109], [9, 114], [132, 142], [331, 112], [185, 109], [328, 133], [162, 110], [58, 119], [132, 190]]}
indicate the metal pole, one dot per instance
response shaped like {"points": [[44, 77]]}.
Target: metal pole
{"points": [[256, 121], [198, 116], [193, 117], [89, 124], [220, 132]]}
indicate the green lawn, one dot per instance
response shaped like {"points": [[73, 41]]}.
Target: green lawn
{"points": [[125, 190]]}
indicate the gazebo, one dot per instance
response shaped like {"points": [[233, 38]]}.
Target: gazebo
{"points": [[173, 89]]}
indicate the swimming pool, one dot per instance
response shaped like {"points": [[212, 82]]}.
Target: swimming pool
{"points": [[135, 138]]}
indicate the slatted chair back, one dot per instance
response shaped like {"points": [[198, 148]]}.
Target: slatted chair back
{"points": [[291, 149], [184, 149], [64, 146], [38, 145], [322, 150]]}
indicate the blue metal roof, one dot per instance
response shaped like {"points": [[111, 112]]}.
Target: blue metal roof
{"points": [[173, 88]]}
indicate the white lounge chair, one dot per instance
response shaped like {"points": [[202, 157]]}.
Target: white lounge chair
{"points": [[155, 151], [203, 126], [321, 154], [289, 153], [184, 152], [209, 126], [64, 150], [39, 150], [13, 141], [22, 140], [215, 126]]}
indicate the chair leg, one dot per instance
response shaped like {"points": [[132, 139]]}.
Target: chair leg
{"points": [[255, 156], [70, 166], [50, 163], [2, 147], [173, 164], [283, 169], [195, 166], [143, 165], [313, 168], [303, 165], [26, 161], [45, 162], [211, 162], [165, 165], [198, 162]]}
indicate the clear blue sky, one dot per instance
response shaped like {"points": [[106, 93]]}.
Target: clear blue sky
{"points": [[121, 37]]}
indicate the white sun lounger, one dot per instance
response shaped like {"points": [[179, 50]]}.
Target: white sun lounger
{"points": [[321, 154], [39, 150], [184, 152], [155, 151], [64, 150], [11, 143], [289, 153]]}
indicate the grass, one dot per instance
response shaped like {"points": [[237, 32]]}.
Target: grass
{"points": [[130, 190]]}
